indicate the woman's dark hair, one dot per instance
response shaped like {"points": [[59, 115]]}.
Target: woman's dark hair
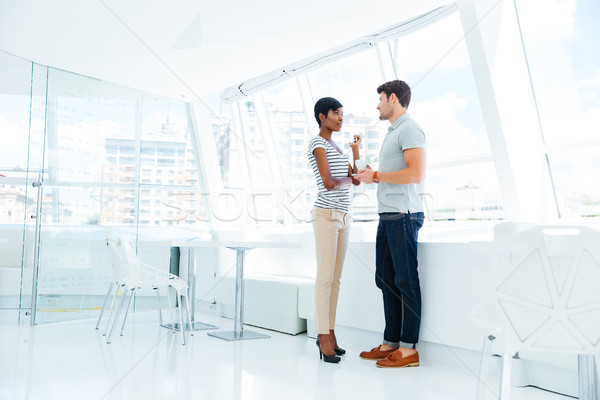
{"points": [[399, 88], [324, 105]]}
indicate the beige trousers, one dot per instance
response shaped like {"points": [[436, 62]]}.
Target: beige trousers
{"points": [[332, 230]]}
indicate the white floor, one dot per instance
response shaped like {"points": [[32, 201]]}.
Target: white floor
{"points": [[72, 361]]}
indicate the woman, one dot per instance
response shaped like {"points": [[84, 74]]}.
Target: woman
{"points": [[330, 219]]}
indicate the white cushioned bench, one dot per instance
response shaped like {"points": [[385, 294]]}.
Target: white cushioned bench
{"points": [[269, 302]]}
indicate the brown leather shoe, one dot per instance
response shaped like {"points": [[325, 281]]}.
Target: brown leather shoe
{"points": [[395, 360], [376, 353]]}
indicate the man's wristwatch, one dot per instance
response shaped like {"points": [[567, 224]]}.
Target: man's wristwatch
{"points": [[375, 179]]}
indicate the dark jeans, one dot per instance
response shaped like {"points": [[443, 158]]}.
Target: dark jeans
{"points": [[397, 276]]}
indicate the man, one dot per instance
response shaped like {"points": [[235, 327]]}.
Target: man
{"points": [[401, 171]]}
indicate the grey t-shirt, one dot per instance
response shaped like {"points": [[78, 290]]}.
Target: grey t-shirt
{"points": [[402, 135]]}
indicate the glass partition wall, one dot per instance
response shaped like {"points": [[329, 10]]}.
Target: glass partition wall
{"points": [[112, 161], [22, 99]]}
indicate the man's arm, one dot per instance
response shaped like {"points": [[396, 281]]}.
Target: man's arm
{"points": [[413, 173]]}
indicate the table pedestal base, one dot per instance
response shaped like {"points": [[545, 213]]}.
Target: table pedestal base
{"points": [[233, 335], [196, 326]]}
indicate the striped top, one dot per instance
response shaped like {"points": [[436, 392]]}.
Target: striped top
{"points": [[338, 165]]}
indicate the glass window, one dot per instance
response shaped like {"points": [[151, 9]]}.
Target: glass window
{"points": [[165, 162], [166, 152], [127, 150], [463, 193], [291, 134], [223, 132], [148, 150], [93, 143], [444, 102], [564, 61], [577, 192], [127, 160]]}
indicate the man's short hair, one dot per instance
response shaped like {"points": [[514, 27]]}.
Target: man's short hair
{"points": [[322, 106], [399, 88]]}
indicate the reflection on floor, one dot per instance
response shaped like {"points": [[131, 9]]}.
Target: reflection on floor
{"points": [[72, 361]]}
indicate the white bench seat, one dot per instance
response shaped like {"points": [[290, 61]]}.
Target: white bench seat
{"points": [[270, 302]]}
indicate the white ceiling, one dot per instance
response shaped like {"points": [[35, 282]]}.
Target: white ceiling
{"points": [[183, 48]]}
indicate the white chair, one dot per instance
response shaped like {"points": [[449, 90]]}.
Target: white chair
{"points": [[547, 295], [118, 283], [137, 275], [118, 280]]}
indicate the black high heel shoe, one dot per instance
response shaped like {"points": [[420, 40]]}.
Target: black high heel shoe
{"points": [[325, 357], [338, 350]]}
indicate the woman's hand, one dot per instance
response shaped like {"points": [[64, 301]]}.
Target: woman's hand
{"points": [[356, 142]]}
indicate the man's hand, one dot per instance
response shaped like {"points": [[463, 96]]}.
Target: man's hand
{"points": [[365, 175]]}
